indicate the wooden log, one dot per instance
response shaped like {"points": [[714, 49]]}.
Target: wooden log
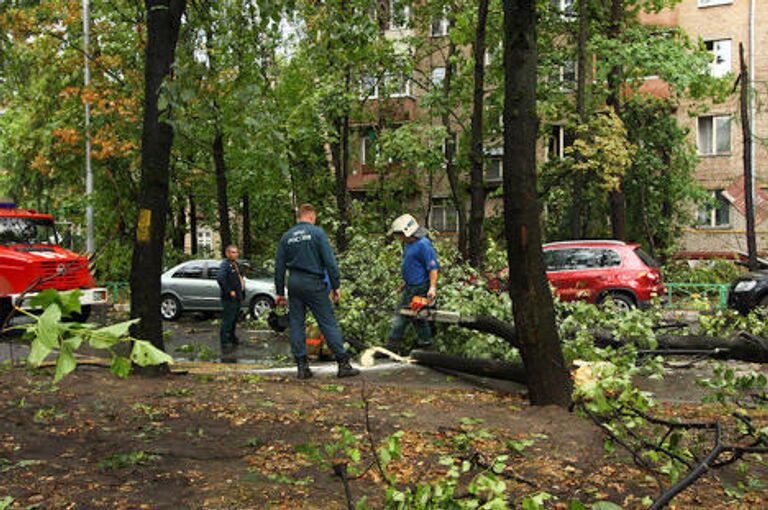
{"points": [[482, 367]]}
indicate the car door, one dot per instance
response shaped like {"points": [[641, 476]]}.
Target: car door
{"points": [[558, 273], [189, 283], [211, 293]]}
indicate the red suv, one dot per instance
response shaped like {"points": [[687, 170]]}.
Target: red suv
{"points": [[595, 271]]}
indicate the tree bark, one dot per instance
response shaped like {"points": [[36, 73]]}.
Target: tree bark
{"points": [[477, 184], [163, 24], [247, 241], [450, 152], [483, 367], [192, 224], [617, 199], [749, 191], [583, 78], [222, 195], [181, 228], [549, 380]]}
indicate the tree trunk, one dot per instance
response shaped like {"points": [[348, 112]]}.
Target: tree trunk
{"points": [[181, 228], [548, 377], [163, 23], [225, 231], [192, 224], [477, 186], [340, 155], [749, 191], [247, 247], [450, 152], [617, 200], [583, 78], [483, 367]]}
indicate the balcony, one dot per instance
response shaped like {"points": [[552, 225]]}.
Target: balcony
{"points": [[397, 110], [362, 178]]}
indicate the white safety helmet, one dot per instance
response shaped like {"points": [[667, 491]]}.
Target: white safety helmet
{"points": [[405, 224]]}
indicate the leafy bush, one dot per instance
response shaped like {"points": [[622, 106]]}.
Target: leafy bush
{"points": [[703, 271]]}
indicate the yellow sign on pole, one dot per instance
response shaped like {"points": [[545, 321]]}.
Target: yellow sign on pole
{"points": [[145, 222]]}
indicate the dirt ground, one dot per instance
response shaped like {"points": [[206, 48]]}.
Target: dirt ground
{"points": [[231, 441]]}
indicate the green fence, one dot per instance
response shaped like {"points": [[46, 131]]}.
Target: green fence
{"points": [[697, 295], [119, 292]]}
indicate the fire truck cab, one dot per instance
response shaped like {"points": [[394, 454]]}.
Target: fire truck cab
{"points": [[31, 260]]}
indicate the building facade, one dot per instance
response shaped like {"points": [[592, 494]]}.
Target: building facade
{"points": [[716, 129]]}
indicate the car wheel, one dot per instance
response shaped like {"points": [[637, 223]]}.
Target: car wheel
{"points": [[170, 307], [261, 306], [621, 301]]}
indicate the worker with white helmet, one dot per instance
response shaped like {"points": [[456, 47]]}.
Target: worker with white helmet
{"points": [[420, 270]]}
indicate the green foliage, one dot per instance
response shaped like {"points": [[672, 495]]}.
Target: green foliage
{"points": [[128, 459], [48, 334], [704, 271], [736, 388]]}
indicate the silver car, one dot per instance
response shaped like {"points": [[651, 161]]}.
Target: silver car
{"points": [[192, 287]]}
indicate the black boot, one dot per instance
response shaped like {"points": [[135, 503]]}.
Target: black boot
{"points": [[303, 368], [345, 369]]}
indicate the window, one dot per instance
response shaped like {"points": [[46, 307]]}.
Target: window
{"points": [[444, 146], [396, 85], [191, 270], [438, 75], [369, 147], [559, 139], [721, 57], [443, 216], [565, 7], [711, 3], [205, 240], [714, 134], [440, 27], [398, 14], [580, 258], [494, 171], [369, 87], [717, 213], [565, 75]]}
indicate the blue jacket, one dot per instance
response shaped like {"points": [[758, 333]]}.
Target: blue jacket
{"points": [[305, 248], [229, 279], [419, 258]]}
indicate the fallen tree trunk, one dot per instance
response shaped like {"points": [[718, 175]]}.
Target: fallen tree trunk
{"points": [[741, 346], [482, 367]]}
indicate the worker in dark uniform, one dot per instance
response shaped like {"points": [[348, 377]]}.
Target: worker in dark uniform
{"points": [[232, 286], [304, 251], [419, 271]]}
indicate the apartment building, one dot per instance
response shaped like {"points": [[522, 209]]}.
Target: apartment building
{"points": [[716, 129]]}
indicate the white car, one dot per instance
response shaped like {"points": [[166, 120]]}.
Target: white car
{"points": [[192, 287]]}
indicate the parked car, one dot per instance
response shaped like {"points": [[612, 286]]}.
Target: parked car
{"points": [[192, 287], [596, 271], [749, 291]]}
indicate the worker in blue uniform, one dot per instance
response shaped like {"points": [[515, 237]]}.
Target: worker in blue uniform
{"points": [[305, 253], [419, 271], [232, 286]]}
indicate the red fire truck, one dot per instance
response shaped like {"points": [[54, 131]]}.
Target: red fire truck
{"points": [[31, 260]]}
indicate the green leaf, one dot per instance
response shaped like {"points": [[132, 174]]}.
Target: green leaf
{"points": [[37, 353], [44, 299], [121, 366], [144, 354], [65, 364], [6, 502], [606, 505], [48, 327], [73, 343], [118, 330]]}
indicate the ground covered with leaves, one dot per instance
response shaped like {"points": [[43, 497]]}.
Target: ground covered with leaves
{"points": [[241, 441]]}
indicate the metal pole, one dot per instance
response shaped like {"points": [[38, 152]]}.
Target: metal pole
{"points": [[90, 244]]}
